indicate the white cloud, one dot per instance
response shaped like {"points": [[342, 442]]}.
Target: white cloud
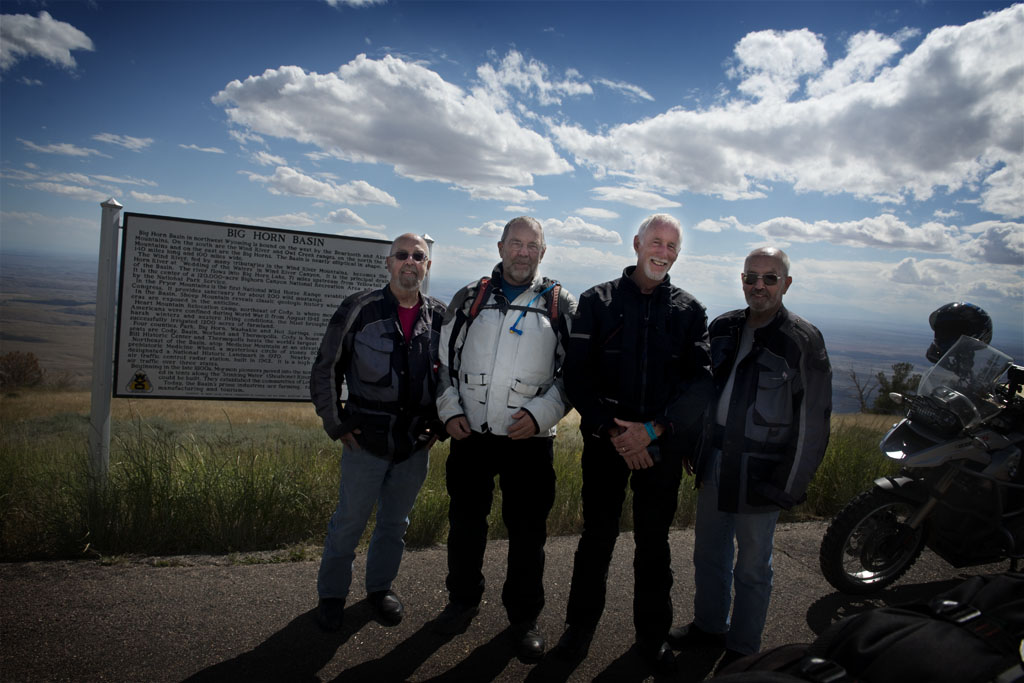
{"points": [[209, 150], [633, 92], [355, 3], [945, 116], [595, 212], [291, 182], [31, 82], [633, 197], [126, 141], [771, 63], [64, 148], [575, 230], [267, 159], [505, 194], [528, 77], [22, 35], [488, 229], [1001, 243], [70, 191], [866, 53], [124, 181], [394, 112], [158, 198], [345, 216]]}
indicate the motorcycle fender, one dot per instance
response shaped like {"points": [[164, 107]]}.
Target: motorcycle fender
{"points": [[907, 487]]}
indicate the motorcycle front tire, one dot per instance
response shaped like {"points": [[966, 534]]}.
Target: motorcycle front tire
{"points": [[868, 546]]}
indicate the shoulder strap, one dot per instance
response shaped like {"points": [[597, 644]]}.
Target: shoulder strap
{"points": [[553, 306], [483, 288]]}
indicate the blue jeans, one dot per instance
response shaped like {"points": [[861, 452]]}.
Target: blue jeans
{"points": [[365, 480], [715, 575]]}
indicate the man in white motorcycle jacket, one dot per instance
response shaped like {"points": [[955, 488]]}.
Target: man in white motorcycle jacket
{"points": [[765, 436], [500, 398]]}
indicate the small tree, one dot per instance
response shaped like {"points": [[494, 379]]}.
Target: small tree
{"points": [[902, 382], [19, 369], [864, 389]]}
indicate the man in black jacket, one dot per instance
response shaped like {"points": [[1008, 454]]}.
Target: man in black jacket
{"points": [[766, 434], [384, 344], [639, 373]]}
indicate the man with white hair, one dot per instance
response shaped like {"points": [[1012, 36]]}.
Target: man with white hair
{"points": [[639, 374]]}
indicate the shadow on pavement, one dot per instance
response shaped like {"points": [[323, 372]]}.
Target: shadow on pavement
{"points": [[295, 653], [830, 608]]}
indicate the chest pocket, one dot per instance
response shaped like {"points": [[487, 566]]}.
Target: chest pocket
{"points": [[372, 355], [773, 406]]}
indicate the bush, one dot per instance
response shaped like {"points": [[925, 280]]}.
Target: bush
{"points": [[19, 370]]}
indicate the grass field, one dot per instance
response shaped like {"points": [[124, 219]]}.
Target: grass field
{"points": [[236, 477]]}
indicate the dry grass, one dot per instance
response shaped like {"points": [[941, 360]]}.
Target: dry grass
{"points": [[40, 404]]}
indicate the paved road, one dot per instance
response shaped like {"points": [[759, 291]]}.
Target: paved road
{"points": [[204, 620]]}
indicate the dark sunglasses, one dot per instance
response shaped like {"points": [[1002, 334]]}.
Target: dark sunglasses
{"points": [[770, 279], [403, 255]]}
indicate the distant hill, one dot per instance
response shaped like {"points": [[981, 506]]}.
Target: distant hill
{"points": [[47, 307]]}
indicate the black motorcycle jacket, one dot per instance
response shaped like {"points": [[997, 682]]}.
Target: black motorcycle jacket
{"points": [[639, 358], [391, 383], [777, 427]]}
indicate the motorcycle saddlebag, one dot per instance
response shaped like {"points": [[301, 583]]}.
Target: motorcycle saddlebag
{"points": [[969, 634]]}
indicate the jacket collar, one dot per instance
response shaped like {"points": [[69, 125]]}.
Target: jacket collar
{"points": [[627, 276]]}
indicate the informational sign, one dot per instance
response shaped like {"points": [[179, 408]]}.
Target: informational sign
{"points": [[222, 311]]}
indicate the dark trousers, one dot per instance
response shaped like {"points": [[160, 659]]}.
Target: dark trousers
{"points": [[527, 480], [655, 496]]}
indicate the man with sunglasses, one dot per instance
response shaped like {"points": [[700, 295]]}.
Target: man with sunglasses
{"points": [[639, 374], [383, 343], [764, 438], [500, 399]]}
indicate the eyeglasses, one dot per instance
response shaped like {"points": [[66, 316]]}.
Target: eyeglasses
{"points": [[403, 255], [770, 279]]}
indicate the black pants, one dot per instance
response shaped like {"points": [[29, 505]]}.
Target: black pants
{"points": [[527, 480], [655, 496]]}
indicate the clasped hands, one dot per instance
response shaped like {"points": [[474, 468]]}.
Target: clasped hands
{"points": [[631, 440]]}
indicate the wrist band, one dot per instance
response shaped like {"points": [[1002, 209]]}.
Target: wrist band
{"points": [[649, 426]]}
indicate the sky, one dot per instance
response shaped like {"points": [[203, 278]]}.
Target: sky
{"points": [[880, 144]]}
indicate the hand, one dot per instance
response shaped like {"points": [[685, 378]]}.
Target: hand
{"points": [[349, 438], [458, 427], [523, 427], [631, 443]]}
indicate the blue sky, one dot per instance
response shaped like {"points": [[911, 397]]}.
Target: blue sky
{"points": [[881, 144]]}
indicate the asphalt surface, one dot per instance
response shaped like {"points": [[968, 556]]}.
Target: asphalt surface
{"points": [[201, 619]]}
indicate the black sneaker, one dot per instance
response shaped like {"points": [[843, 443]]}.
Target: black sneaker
{"points": [[455, 618], [529, 641], [330, 613], [574, 643], [692, 637], [387, 606]]}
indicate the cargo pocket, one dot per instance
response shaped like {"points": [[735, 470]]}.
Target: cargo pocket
{"points": [[522, 393], [773, 405], [474, 388], [372, 359]]}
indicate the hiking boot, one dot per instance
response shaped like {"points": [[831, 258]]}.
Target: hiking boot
{"points": [[658, 656], [692, 637], [455, 618], [330, 613], [529, 641], [387, 606], [574, 643]]}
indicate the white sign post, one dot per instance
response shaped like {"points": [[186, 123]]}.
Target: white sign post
{"points": [[103, 342]]}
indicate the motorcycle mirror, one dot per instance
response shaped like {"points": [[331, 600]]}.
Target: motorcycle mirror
{"points": [[896, 398]]}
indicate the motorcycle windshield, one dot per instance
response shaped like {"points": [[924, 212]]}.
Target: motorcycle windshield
{"points": [[964, 379]]}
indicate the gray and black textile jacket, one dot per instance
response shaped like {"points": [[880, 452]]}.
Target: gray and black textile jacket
{"points": [[778, 420], [391, 383]]}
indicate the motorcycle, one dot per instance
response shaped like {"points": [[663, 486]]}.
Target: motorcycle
{"points": [[960, 487]]}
